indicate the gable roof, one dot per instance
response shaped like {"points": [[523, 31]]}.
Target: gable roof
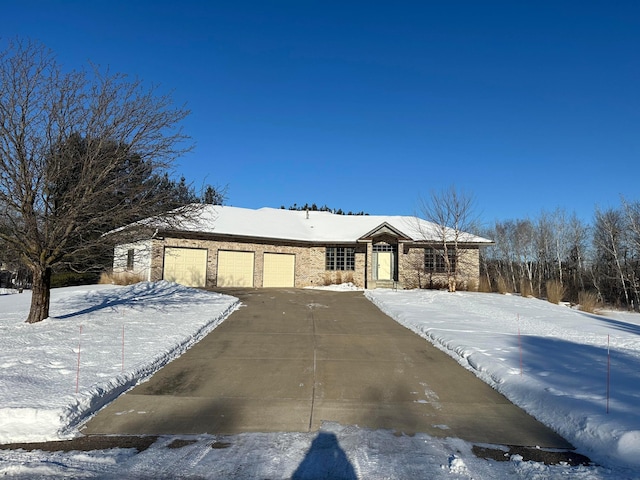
{"points": [[384, 229], [311, 226]]}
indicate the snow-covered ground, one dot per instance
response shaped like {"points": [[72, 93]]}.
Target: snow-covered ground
{"points": [[576, 372], [101, 340]]}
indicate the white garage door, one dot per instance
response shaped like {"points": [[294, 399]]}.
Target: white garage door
{"points": [[187, 266], [279, 270], [235, 269]]}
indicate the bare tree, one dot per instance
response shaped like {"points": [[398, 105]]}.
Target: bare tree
{"points": [[80, 151], [632, 213], [560, 236], [544, 242], [577, 262], [453, 212], [505, 253], [610, 243], [525, 249]]}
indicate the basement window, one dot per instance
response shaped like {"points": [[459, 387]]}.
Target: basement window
{"points": [[340, 258]]}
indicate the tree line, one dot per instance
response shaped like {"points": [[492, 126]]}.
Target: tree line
{"points": [[558, 248], [324, 208]]}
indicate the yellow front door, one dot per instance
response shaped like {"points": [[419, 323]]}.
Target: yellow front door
{"points": [[384, 265]]}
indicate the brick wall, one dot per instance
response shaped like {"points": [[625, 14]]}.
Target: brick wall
{"points": [[309, 262]]}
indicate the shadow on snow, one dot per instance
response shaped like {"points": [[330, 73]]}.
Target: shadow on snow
{"points": [[325, 459], [157, 296], [579, 372]]}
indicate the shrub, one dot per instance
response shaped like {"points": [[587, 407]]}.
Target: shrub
{"points": [[555, 291], [338, 278], [348, 278], [410, 283], [588, 301], [436, 284], [120, 278], [71, 279], [327, 279]]}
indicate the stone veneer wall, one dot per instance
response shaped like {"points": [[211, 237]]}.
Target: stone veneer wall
{"points": [[309, 263], [412, 274]]}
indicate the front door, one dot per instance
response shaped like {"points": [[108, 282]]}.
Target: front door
{"points": [[384, 265]]}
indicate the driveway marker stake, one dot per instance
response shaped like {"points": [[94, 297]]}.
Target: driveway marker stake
{"points": [[78, 369], [123, 347], [520, 344], [608, 371]]}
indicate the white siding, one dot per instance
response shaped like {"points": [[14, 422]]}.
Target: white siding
{"points": [[141, 259]]}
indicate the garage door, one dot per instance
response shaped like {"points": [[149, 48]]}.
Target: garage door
{"points": [[279, 270], [235, 269], [187, 266]]}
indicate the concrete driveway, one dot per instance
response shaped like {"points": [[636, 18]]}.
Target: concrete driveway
{"points": [[290, 359]]}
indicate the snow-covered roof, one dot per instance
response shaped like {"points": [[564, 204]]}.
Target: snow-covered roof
{"points": [[311, 226]]}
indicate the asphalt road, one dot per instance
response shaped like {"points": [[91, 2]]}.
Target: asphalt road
{"points": [[291, 359]]}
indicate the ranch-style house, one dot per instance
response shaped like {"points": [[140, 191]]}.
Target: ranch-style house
{"points": [[238, 247]]}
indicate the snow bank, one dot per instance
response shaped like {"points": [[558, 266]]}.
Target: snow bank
{"points": [[341, 287], [7, 291], [99, 341], [575, 372], [336, 452]]}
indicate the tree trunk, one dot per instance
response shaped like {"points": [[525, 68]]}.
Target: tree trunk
{"points": [[452, 284], [40, 294], [559, 260]]}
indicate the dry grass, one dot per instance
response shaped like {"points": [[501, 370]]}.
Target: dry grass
{"points": [[336, 278], [555, 291], [120, 278], [503, 286], [525, 288], [588, 302], [471, 285], [485, 285]]}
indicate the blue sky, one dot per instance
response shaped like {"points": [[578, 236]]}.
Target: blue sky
{"points": [[371, 105]]}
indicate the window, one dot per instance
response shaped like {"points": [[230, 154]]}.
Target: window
{"points": [[385, 247], [434, 260], [130, 257], [340, 258]]}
